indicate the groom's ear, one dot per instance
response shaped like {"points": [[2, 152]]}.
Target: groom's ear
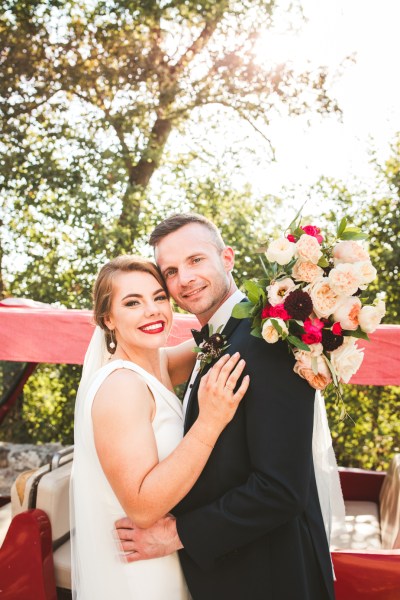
{"points": [[228, 258]]}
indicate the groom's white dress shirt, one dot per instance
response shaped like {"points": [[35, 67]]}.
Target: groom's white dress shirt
{"points": [[220, 317]]}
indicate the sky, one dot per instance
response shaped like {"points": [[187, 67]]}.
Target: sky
{"points": [[368, 91]]}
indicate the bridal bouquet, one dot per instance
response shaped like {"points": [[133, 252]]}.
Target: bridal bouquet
{"points": [[312, 297]]}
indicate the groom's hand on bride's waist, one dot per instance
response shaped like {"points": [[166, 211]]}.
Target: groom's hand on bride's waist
{"points": [[158, 540]]}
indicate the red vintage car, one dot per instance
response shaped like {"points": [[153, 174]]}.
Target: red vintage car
{"points": [[35, 555]]}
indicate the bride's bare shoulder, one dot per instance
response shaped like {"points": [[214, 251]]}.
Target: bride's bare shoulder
{"points": [[122, 384]]}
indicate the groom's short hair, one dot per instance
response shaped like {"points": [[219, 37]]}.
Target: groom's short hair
{"points": [[178, 220]]}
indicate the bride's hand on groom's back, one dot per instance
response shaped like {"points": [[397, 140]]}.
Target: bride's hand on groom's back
{"points": [[219, 393]]}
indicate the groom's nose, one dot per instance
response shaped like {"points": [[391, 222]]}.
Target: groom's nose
{"points": [[185, 276]]}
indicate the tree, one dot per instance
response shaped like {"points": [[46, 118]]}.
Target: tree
{"points": [[89, 96]]}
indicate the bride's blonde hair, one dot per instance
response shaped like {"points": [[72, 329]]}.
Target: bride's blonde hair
{"points": [[103, 287]]}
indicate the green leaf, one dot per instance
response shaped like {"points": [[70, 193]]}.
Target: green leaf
{"points": [[341, 227], [358, 333], [253, 291], [323, 262], [256, 332], [298, 232], [298, 343], [242, 310], [332, 370], [353, 233], [276, 326], [293, 225]]}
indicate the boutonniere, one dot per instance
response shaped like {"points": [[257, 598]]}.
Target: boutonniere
{"points": [[209, 347]]}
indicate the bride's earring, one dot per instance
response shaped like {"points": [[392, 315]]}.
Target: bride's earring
{"points": [[112, 344]]}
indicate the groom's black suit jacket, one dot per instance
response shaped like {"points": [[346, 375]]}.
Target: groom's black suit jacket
{"points": [[251, 526]]}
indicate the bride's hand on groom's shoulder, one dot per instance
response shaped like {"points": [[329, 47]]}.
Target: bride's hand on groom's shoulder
{"points": [[158, 540]]}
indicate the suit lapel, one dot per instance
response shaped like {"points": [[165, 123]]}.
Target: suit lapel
{"points": [[192, 409]]}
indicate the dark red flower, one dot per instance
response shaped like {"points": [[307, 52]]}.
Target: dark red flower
{"points": [[330, 341], [279, 312], [298, 304], [291, 238]]}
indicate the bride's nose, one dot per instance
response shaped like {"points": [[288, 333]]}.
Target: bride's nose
{"points": [[151, 308]]}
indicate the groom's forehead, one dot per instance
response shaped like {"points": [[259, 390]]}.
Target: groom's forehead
{"points": [[184, 243]]}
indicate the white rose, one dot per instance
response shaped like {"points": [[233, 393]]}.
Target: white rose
{"points": [[370, 316], [347, 313], [269, 332], [280, 251], [347, 359], [349, 251], [344, 279], [308, 248], [278, 291], [365, 272]]}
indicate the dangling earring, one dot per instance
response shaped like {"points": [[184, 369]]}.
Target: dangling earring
{"points": [[112, 343]]}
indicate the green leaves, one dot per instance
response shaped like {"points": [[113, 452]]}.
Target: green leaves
{"points": [[242, 310], [353, 233], [298, 343], [254, 291]]}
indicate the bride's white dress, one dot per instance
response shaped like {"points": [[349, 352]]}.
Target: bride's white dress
{"points": [[98, 569]]}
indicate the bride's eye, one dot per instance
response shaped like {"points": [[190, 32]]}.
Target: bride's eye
{"points": [[132, 303], [161, 297]]}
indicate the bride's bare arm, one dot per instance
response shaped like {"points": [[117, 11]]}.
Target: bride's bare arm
{"points": [[180, 361], [122, 413]]}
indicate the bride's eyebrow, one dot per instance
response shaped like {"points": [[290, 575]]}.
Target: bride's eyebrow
{"points": [[132, 295]]}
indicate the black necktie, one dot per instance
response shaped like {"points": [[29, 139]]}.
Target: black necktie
{"points": [[200, 336]]}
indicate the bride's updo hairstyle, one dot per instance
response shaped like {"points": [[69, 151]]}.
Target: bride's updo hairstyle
{"points": [[103, 288]]}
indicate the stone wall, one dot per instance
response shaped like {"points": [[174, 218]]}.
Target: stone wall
{"points": [[16, 458]]}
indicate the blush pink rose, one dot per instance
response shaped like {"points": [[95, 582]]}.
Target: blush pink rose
{"points": [[304, 270], [324, 299], [349, 251], [303, 368], [365, 272], [347, 313], [308, 249], [344, 279]]}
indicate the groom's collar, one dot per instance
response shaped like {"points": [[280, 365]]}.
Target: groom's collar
{"points": [[224, 312]]}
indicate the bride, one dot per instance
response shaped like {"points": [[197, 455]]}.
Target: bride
{"points": [[130, 457]]}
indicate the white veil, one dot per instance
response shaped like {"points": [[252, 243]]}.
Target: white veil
{"points": [[326, 472]]}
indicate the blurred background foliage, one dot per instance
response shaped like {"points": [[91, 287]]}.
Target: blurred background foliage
{"points": [[109, 112]]}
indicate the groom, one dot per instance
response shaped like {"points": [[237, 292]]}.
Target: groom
{"points": [[251, 527]]}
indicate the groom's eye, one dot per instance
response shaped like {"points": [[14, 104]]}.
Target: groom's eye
{"points": [[169, 273]]}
